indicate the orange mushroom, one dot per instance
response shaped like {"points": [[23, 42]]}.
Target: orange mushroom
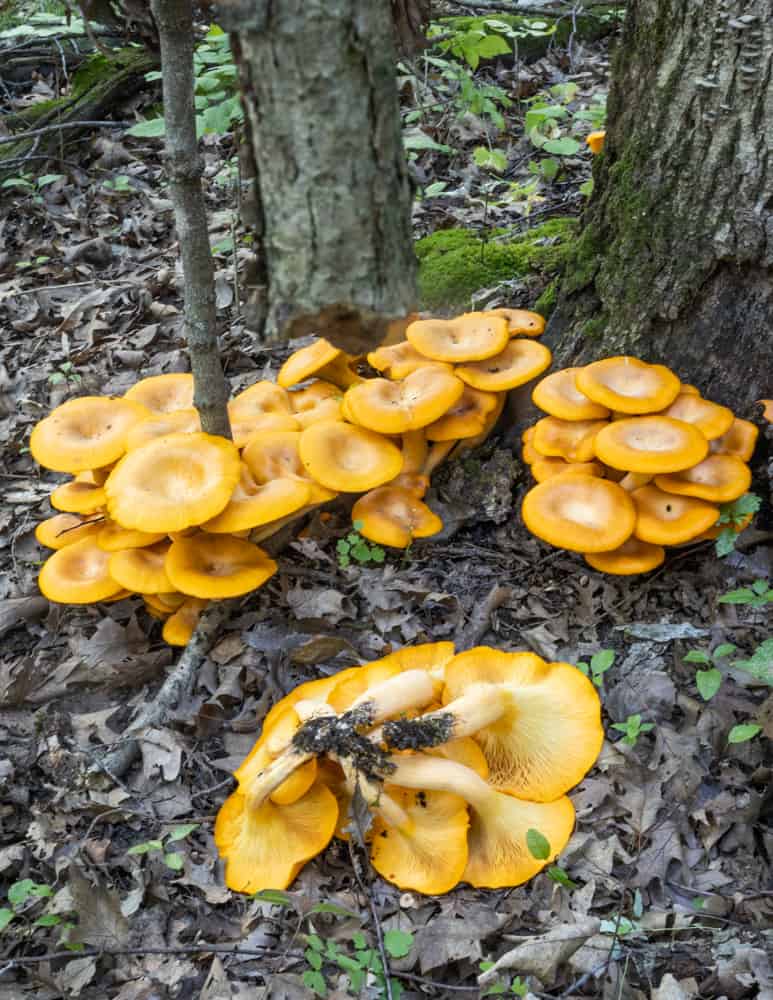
{"points": [[396, 407], [391, 515], [557, 394], [471, 337], [632, 557], [161, 424], [573, 440], [628, 385], [399, 360], [85, 433], [740, 440], [710, 419], [518, 363], [667, 519], [348, 459], [80, 496], [466, 418], [521, 322], [78, 574], [650, 445], [215, 566], [718, 478], [65, 529], [163, 393], [579, 513]]}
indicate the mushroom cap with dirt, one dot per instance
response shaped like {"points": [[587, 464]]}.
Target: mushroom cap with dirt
{"points": [[521, 322], [669, 519], [62, 530], [85, 433], [173, 482]]}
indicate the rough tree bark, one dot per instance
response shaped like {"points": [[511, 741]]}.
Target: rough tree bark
{"points": [[175, 23], [675, 258], [333, 192]]}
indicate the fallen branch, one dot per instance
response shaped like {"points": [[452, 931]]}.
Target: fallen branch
{"points": [[116, 762], [33, 133]]}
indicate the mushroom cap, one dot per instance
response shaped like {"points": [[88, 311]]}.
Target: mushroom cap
{"points": [[80, 496], [212, 566], [628, 384], [471, 337], [573, 440], [274, 454], [718, 478], [767, 409], [173, 482], [401, 360], [164, 393], [547, 468], [348, 459], [113, 538], [396, 407], [518, 363], [464, 751], [243, 430], [358, 682], [141, 570], [61, 530], [259, 399], [521, 322], [78, 574], [549, 734], [557, 394], [253, 504], [498, 853], [650, 444], [529, 454], [667, 519], [595, 140], [160, 424], [740, 440], [427, 852], [394, 516], [579, 513], [633, 556], [710, 419], [319, 401], [305, 362], [466, 418], [264, 847], [84, 433]]}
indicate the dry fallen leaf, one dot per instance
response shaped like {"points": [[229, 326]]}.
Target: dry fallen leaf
{"points": [[542, 956]]}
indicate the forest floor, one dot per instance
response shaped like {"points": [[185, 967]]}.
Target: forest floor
{"points": [[663, 892]]}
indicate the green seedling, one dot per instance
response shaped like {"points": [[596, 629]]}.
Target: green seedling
{"points": [[359, 963], [172, 859], [757, 595], [27, 910], [743, 732], [65, 373], [599, 664], [515, 986], [354, 546], [709, 679], [632, 728]]}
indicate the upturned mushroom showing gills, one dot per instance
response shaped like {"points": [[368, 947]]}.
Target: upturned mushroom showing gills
{"points": [[652, 437], [514, 735]]}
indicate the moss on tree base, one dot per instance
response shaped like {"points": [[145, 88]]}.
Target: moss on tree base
{"points": [[456, 263]]}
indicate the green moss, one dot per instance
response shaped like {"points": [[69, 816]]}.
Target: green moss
{"points": [[546, 303], [455, 263]]}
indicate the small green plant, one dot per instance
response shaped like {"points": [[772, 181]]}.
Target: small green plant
{"points": [[358, 963], [172, 859], [733, 517], [65, 373], [120, 184], [709, 679], [743, 732], [28, 906], [23, 265], [757, 596], [354, 546], [632, 728], [539, 847], [599, 664], [515, 986]]}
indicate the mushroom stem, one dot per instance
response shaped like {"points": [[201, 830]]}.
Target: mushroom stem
{"points": [[437, 455], [271, 777], [373, 793], [464, 716], [633, 480], [439, 774]]}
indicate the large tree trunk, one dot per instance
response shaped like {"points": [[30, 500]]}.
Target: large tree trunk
{"points": [[675, 259], [332, 189]]}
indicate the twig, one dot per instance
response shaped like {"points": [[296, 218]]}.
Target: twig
{"points": [[365, 888], [118, 760], [202, 949], [20, 136], [470, 634]]}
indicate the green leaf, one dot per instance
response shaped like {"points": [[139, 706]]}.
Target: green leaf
{"points": [[562, 147], [182, 831], [549, 168], [416, 139], [337, 911], [150, 128], [602, 661], [315, 941], [313, 958], [493, 45], [398, 943], [358, 940], [583, 668], [697, 656], [490, 159], [347, 963], [744, 595], [377, 554], [586, 188], [6, 916], [433, 190], [273, 896], [20, 892], [146, 847], [538, 844], [725, 542], [760, 664], [560, 876], [48, 920], [742, 733], [722, 650], [708, 683], [496, 990], [342, 547], [535, 116], [174, 861], [737, 510], [46, 179], [315, 982], [519, 987]]}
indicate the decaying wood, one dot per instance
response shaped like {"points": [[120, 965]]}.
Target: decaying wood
{"points": [[184, 166], [319, 86], [675, 259]]}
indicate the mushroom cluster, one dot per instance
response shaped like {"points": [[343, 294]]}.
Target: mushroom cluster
{"points": [[158, 508], [629, 461], [458, 758]]}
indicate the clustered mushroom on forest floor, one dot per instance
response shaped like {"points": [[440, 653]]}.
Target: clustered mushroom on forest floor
{"points": [[628, 461], [158, 508], [460, 760]]}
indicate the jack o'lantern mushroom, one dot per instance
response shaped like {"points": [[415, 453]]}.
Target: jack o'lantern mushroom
{"points": [[471, 337], [62, 530], [628, 385], [407, 405], [557, 394], [163, 393], [521, 322], [580, 513], [631, 558], [718, 478], [348, 459], [78, 574], [85, 433], [393, 516], [668, 519], [215, 566], [518, 363]]}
